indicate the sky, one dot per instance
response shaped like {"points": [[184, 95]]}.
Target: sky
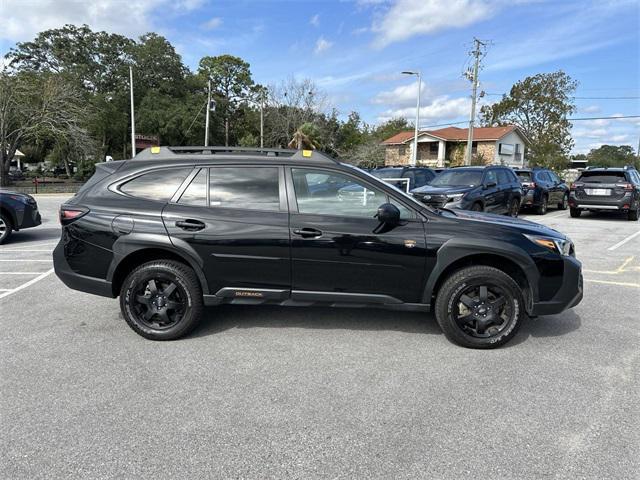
{"points": [[355, 50]]}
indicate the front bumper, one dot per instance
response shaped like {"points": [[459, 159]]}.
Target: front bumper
{"points": [[570, 293], [75, 281]]}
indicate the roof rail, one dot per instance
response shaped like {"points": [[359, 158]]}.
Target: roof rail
{"points": [[152, 153]]}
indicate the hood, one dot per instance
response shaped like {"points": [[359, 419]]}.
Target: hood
{"points": [[447, 190], [523, 226]]}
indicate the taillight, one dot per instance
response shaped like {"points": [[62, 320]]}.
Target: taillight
{"points": [[576, 185], [70, 214], [625, 186]]}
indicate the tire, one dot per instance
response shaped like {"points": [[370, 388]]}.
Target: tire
{"points": [[514, 208], [475, 332], [542, 208], [564, 204], [162, 300], [632, 215], [6, 228], [477, 207], [575, 212]]}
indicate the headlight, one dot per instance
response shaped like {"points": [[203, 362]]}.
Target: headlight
{"points": [[456, 197], [558, 245]]}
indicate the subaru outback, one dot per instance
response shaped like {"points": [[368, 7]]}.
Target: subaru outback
{"points": [[177, 229]]}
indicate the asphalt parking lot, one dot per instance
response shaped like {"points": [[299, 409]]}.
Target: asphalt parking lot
{"points": [[269, 392]]}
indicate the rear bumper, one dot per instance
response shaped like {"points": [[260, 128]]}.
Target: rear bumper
{"points": [[622, 204], [75, 281], [570, 293], [28, 217]]}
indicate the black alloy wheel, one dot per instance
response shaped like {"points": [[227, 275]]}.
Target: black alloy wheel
{"points": [[5, 228], [542, 208], [480, 307], [476, 207], [162, 300]]}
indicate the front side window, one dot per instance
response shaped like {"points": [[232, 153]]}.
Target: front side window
{"points": [[336, 194], [158, 185], [491, 177], [250, 188]]}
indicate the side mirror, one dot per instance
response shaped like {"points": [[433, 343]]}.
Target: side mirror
{"points": [[490, 185], [388, 214]]}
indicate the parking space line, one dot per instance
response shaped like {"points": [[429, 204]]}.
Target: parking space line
{"points": [[26, 261], [607, 282], [20, 273], [621, 269], [27, 284], [619, 244], [28, 245], [24, 251]]}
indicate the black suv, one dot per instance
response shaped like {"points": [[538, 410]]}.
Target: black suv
{"points": [[414, 176], [17, 211], [606, 189], [493, 189], [177, 229], [541, 188]]}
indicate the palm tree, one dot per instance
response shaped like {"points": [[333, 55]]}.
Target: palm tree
{"points": [[305, 137]]}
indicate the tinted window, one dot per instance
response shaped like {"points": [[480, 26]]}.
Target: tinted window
{"points": [[337, 195], [157, 185], [458, 177], [423, 177], [491, 177], [543, 177], [503, 177], [524, 176], [251, 188], [196, 192], [601, 177]]}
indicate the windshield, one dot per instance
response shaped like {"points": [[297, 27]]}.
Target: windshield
{"points": [[601, 177], [524, 176], [387, 173], [450, 178]]}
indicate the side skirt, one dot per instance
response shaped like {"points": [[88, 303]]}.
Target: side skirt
{"points": [[298, 298]]}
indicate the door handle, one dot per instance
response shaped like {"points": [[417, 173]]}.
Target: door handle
{"points": [[307, 232], [190, 225]]}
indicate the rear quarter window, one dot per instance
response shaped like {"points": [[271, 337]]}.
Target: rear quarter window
{"points": [[159, 185]]}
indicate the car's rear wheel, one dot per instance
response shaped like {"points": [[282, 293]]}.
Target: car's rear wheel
{"points": [[6, 227], [162, 300], [564, 203], [632, 215], [514, 208], [479, 307], [477, 207], [542, 208], [575, 212]]}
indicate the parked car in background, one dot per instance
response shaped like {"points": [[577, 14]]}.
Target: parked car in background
{"points": [[606, 189], [541, 187], [17, 211], [15, 174], [175, 229], [415, 176], [494, 189]]}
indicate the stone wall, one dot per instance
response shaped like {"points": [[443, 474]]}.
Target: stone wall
{"points": [[397, 155]]}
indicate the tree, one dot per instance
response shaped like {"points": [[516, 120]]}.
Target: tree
{"points": [[539, 105], [38, 106], [231, 82], [613, 156], [390, 128], [158, 66]]}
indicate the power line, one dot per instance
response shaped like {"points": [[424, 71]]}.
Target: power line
{"points": [[576, 98], [570, 119]]}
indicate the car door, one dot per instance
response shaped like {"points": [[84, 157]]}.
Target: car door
{"points": [[491, 191], [505, 187], [557, 187], [544, 179], [235, 219], [340, 252]]}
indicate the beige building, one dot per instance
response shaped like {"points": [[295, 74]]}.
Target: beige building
{"points": [[447, 147]]}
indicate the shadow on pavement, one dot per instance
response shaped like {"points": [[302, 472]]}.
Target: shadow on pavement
{"points": [[37, 234], [225, 317], [547, 326]]}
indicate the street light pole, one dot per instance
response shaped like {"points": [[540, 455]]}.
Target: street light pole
{"points": [[133, 115], [262, 120], [206, 121], [414, 153]]}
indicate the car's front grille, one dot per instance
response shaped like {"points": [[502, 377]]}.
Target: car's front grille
{"points": [[432, 200]]}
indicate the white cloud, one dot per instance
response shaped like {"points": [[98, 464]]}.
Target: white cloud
{"points": [[408, 18], [590, 109], [404, 95], [212, 24], [315, 20], [440, 109], [322, 45], [619, 138], [127, 18]]}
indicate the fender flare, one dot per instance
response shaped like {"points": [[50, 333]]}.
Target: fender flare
{"points": [[458, 248], [127, 245]]}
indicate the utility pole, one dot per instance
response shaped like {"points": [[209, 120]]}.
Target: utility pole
{"points": [[133, 115], [261, 119], [474, 96], [206, 121]]}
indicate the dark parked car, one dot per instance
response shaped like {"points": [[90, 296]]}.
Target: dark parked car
{"points": [[17, 211], [415, 176], [176, 229], [542, 187], [493, 189], [606, 189]]}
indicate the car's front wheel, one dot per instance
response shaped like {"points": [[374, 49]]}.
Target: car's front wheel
{"points": [[162, 300], [6, 227], [479, 307]]}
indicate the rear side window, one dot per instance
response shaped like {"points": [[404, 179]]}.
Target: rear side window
{"points": [[196, 192], [158, 185], [250, 188], [601, 177]]}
